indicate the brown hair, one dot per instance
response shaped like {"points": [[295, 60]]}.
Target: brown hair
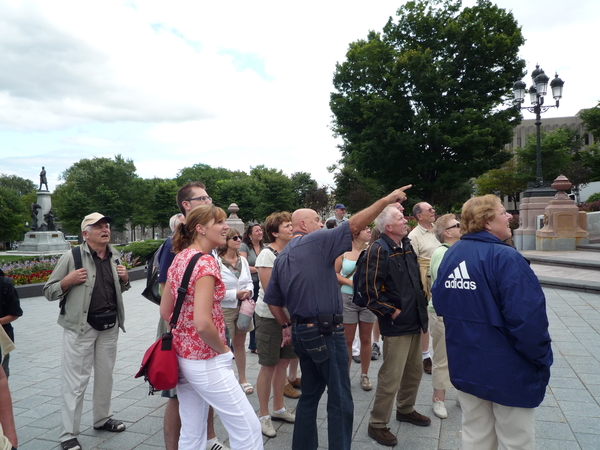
{"points": [[274, 221], [201, 215], [477, 212], [184, 192], [222, 249]]}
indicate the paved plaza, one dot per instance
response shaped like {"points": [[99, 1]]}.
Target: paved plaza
{"points": [[568, 419]]}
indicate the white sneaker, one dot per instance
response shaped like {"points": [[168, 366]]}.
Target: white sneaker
{"points": [[285, 416], [216, 445], [365, 383], [267, 427], [439, 409]]}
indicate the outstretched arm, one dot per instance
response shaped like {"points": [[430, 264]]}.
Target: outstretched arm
{"points": [[360, 220]]}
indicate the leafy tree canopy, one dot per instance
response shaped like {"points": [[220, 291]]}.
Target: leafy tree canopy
{"points": [[13, 215], [508, 180], [422, 102], [20, 185], [591, 119], [98, 184]]}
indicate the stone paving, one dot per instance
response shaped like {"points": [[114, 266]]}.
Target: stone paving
{"points": [[569, 417]]}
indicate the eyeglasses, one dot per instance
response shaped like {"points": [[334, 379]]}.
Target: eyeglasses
{"points": [[237, 238], [201, 198], [456, 225], [431, 209]]}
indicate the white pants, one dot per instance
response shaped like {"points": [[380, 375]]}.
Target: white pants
{"points": [[490, 426], [81, 352], [212, 382]]}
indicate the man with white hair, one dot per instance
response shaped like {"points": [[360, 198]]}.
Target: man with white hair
{"points": [[396, 297], [91, 313], [303, 280]]}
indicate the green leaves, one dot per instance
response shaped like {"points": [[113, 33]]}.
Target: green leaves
{"points": [[422, 101]]}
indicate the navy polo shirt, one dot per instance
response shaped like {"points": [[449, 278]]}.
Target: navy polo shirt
{"points": [[303, 277]]}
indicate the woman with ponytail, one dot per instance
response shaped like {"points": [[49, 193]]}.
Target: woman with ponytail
{"points": [[205, 373]]}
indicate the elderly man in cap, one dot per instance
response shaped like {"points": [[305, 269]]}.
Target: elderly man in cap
{"points": [[89, 281], [339, 215]]}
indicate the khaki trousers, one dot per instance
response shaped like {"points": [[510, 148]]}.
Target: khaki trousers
{"points": [[490, 426], [399, 377], [439, 373], [81, 352]]}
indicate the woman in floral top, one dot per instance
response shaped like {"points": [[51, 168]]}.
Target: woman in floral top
{"points": [[205, 373]]}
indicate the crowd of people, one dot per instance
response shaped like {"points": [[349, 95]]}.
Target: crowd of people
{"points": [[456, 281]]}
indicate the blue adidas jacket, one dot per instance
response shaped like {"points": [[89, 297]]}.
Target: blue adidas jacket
{"points": [[496, 324]]}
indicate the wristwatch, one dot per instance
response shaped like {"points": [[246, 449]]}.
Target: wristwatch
{"points": [[286, 325]]}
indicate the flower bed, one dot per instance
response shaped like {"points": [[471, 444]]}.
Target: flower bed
{"points": [[28, 271]]}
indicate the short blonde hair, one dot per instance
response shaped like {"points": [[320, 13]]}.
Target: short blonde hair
{"points": [[477, 212], [440, 226]]}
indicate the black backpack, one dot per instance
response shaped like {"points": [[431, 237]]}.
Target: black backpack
{"points": [[361, 278], [151, 292]]}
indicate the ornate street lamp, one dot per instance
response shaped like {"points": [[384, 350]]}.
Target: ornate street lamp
{"points": [[537, 92]]}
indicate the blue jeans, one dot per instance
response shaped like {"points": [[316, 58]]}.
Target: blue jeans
{"points": [[324, 363]]}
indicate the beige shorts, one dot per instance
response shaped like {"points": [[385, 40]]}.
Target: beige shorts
{"points": [[354, 313], [231, 315]]}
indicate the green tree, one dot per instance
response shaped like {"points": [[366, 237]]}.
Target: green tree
{"points": [[20, 185], [354, 190], [13, 215], [505, 181], [275, 191], [591, 119], [558, 148], [164, 202], [590, 157], [98, 184], [210, 177], [422, 102]]}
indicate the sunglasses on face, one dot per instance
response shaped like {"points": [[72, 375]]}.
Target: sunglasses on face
{"points": [[456, 225], [237, 238]]}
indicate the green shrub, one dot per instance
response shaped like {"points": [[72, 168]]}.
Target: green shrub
{"points": [[143, 249], [593, 198]]}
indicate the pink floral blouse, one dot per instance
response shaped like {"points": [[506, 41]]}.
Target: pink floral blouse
{"points": [[187, 342]]}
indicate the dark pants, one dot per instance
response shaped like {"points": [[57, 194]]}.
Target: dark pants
{"points": [[252, 343], [324, 364]]}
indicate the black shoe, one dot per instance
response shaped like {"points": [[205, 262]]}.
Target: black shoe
{"points": [[356, 359], [427, 365], [115, 426], [71, 444], [375, 353], [415, 418], [382, 436]]}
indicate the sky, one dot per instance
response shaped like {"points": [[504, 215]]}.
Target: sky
{"points": [[234, 84]]}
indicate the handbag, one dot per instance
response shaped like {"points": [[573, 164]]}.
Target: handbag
{"points": [[159, 365]]}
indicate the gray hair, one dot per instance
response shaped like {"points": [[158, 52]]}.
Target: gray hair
{"points": [[440, 226], [417, 209], [384, 218], [174, 220]]}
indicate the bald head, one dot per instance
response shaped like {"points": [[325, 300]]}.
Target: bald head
{"points": [[306, 221]]}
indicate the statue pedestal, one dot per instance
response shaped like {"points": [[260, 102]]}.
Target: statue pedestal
{"points": [[530, 208], [562, 229], [47, 242]]}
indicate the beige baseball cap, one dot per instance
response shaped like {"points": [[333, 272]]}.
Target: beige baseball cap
{"points": [[93, 218]]}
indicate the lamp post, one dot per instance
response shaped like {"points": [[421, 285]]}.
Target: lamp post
{"points": [[537, 92]]}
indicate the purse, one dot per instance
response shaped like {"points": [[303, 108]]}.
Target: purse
{"points": [[159, 365]]}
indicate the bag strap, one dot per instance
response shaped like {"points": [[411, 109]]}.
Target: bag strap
{"points": [[76, 253], [183, 288]]}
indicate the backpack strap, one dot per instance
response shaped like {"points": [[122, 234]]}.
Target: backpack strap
{"points": [[181, 290], [76, 253]]}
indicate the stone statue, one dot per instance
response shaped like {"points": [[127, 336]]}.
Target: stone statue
{"points": [[34, 215], [49, 218], [43, 179]]}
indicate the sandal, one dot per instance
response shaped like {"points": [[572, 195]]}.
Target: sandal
{"points": [[71, 444], [247, 388], [112, 425]]}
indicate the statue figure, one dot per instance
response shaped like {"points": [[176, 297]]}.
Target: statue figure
{"points": [[34, 215], [49, 218], [43, 179]]}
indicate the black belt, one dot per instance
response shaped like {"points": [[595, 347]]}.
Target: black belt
{"points": [[336, 319]]}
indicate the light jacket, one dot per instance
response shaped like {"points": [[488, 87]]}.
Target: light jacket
{"points": [[494, 310], [80, 295], [233, 284], [394, 283]]}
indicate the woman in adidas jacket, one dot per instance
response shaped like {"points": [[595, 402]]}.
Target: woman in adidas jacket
{"points": [[499, 352]]}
